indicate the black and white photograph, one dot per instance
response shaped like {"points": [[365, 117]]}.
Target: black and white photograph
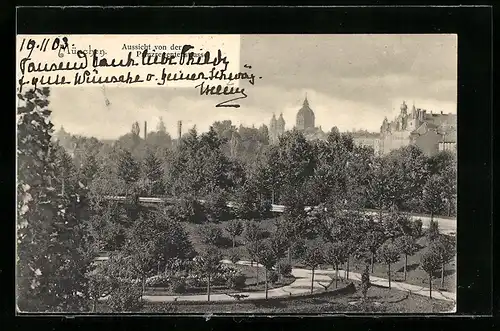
{"points": [[253, 173]]}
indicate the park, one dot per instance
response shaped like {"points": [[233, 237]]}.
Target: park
{"points": [[225, 221]]}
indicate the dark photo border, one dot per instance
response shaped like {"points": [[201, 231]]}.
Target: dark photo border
{"points": [[473, 25]]}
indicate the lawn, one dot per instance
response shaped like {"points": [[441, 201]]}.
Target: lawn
{"points": [[415, 274], [266, 225], [380, 300]]}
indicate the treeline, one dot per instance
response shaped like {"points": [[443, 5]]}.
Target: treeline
{"points": [[239, 164]]}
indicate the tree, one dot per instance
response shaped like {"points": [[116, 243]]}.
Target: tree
{"points": [[278, 245], [141, 252], [252, 232], [207, 263], [373, 239], [89, 169], [234, 228], [215, 206], [389, 254], [210, 234], [136, 130], [444, 248], [128, 168], [153, 174], [365, 282], [433, 230], [335, 254], [267, 258], [406, 245], [313, 258], [432, 198], [50, 263], [430, 263], [407, 167]]}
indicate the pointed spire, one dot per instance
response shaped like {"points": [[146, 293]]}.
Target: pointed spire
{"points": [[306, 102]]}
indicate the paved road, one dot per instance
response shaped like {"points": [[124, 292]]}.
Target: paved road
{"points": [[302, 285]]}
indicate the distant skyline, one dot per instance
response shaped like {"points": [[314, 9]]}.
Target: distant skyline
{"points": [[351, 81]]}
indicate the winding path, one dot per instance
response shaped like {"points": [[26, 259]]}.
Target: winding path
{"points": [[302, 286]]}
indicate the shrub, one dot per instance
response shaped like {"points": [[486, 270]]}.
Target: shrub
{"points": [[158, 281], [284, 268], [125, 298], [272, 276], [193, 281], [234, 257], [178, 285], [236, 281], [210, 234]]}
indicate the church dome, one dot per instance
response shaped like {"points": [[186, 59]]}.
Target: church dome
{"points": [[306, 109], [305, 116]]}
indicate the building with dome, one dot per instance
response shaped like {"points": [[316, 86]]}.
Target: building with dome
{"points": [[305, 117], [305, 122]]}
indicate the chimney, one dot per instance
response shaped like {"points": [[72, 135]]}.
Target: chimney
{"points": [[179, 130], [145, 129]]}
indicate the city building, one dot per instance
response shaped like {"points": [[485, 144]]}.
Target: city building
{"points": [[305, 122], [431, 132], [276, 128], [368, 139]]}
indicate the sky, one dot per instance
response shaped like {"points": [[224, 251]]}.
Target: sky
{"points": [[351, 81]]}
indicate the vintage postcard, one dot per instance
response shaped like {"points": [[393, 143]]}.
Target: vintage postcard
{"points": [[270, 174]]}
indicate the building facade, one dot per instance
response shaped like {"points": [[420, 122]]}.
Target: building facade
{"points": [[276, 129], [431, 132]]}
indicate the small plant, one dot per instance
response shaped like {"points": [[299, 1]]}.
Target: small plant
{"points": [[388, 254], [430, 262]]}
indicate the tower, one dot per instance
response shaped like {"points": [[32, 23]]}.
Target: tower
{"points": [[280, 125], [145, 129], [403, 108], [273, 133], [305, 117], [179, 130]]}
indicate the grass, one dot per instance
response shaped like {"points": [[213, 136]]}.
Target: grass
{"points": [[415, 275], [226, 248], [379, 300]]}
